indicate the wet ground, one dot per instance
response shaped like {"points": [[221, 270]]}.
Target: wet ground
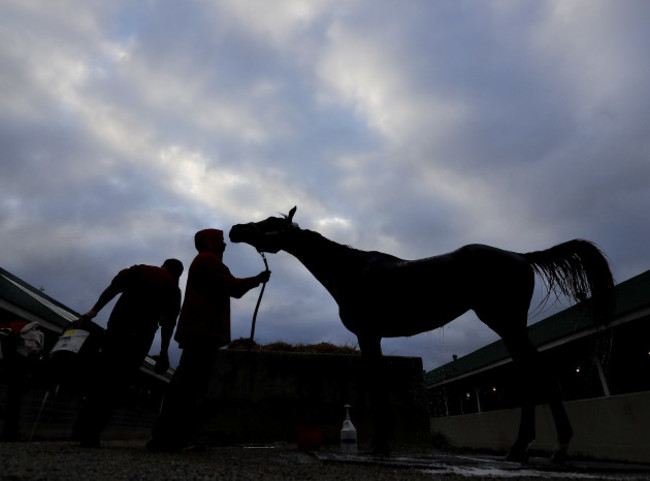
{"points": [[481, 466], [54, 461]]}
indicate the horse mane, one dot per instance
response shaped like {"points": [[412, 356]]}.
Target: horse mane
{"points": [[346, 255], [328, 244]]}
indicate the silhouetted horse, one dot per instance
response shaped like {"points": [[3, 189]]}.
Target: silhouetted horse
{"points": [[380, 295]]}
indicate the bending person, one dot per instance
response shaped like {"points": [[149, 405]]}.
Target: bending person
{"points": [[150, 297]]}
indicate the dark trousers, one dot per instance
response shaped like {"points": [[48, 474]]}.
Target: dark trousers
{"points": [[18, 383], [183, 409], [119, 362]]}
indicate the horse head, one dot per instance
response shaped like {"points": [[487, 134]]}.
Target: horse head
{"points": [[267, 235]]}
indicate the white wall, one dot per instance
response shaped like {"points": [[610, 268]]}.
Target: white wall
{"points": [[613, 428]]}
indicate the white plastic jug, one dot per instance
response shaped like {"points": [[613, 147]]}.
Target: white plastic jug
{"points": [[348, 434]]}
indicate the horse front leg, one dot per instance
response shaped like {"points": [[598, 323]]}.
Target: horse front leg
{"points": [[373, 365]]}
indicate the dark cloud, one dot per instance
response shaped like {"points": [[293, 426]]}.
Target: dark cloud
{"points": [[411, 129]]}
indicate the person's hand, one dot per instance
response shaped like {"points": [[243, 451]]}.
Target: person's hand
{"points": [[162, 363], [264, 276], [86, 318]]}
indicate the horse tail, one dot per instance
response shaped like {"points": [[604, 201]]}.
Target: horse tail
{"points": [[579, 270]]}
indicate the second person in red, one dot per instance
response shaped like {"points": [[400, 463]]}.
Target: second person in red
{"points": [[203, 328]]}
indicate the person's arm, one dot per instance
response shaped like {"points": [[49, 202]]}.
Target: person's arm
{"points": [[105, 297], [162, 361], [116, 287], [218, 277], [167, 325], [237, 287]]}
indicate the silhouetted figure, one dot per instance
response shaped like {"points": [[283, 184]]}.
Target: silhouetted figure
{"points": [[380, 295], [150, 297], [20, 354], [203, 328]]}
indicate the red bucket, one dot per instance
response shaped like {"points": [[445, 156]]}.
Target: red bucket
{"points": [[309, 439]]}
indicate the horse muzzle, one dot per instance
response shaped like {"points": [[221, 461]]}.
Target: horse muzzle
{"points": [[247, 233]]}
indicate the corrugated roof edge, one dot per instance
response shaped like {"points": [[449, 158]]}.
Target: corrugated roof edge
{"points": [[26, 297]]}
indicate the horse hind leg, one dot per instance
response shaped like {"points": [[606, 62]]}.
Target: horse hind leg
{"points": [[536, 381], [562, 426], [524, 360]]}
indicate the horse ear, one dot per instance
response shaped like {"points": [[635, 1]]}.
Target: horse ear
{"points": [[291, 214]]}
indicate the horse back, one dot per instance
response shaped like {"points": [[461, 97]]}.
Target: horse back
{"points": [[464, 266], [410, 296]]}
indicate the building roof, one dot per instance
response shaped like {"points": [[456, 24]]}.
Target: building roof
{"points": [[32, 304], [632, 296]]}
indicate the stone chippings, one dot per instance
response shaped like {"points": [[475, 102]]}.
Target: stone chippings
{"points": [[129, 460]]}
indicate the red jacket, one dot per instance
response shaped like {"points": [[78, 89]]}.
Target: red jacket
{"points": [[205, 315]]}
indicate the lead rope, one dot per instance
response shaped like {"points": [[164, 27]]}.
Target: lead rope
{"points": [[257, 307]]}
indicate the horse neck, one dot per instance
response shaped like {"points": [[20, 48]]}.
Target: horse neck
{"points": [[328, 261]]}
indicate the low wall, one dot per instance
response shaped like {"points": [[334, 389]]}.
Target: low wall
{"points": [[262, 396], [613, 428], [266, 396]]}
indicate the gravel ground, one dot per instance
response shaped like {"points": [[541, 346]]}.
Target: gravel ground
{"points": [[128, 460]]}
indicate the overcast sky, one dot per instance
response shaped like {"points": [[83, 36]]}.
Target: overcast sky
{"points": [[409, 127]]}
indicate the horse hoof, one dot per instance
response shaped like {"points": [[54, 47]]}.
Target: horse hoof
{"points": [[560, 455], [517, 455], [380, 450]]}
